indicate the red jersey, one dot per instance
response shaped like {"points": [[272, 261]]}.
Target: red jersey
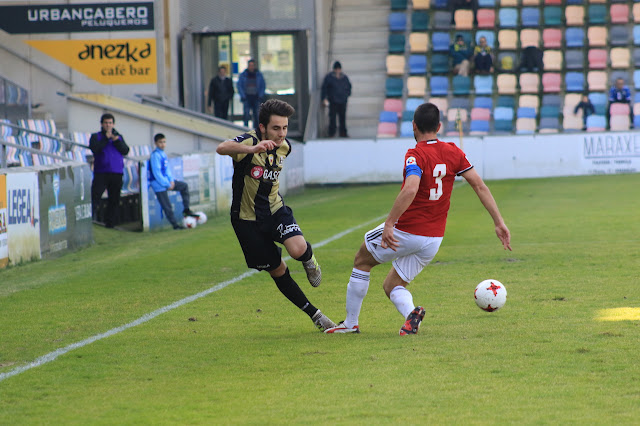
{"points": [[437, 163]]}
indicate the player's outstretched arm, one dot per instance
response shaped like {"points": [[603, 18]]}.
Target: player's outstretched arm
{"points": [[484, 194], [231, 147]]}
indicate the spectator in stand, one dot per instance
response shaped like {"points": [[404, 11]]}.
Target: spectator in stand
{"points": [[531, 60], [251, 87], [220, 93], [587, 109], [108, 148], [482, 59], [460, 53], [336, 89], [620, 93]]}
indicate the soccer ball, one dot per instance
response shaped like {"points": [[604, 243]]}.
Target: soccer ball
{"points": [[490, 295], [202, 218], [189, 222]]}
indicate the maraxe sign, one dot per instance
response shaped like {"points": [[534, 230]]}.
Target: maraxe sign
{"points": [[69, 18]]}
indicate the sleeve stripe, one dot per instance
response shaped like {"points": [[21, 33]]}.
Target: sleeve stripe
{"points": [[465, 170]]}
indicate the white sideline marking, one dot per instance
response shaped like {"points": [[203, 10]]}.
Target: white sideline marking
{"points": [[51, 356]]}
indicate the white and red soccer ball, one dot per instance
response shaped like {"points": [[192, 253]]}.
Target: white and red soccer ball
{"points": [[202, 218], [490, 295], [190, 222]]}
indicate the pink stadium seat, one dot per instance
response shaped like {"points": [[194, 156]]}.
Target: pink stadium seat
{"points": [[529, 82], [636, 13], [552, 38], [619, 109], [597, 1], [597, 81], [636, 110], [480, 114], [597, 59], [506, 84], [463, 19], [619, 122], [387, 130], [454, 113], [597, 36], [551, 82], [394, 105], [552, 2], [441, 103], [529, 37], [619, 13], [574, 15], [486, 18]]}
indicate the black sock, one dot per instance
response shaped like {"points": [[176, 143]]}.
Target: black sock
{"points": [[291, 291], [307, 254]]}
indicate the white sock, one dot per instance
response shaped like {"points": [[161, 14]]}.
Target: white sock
{"points": [[402, 298], [356, 291]]}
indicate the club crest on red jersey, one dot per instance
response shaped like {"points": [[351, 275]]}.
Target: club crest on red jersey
{"points": [[257, 172], [410, 161]]}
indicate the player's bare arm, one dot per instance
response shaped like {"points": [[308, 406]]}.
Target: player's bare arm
{"points": [[402, 202], [231, 147], [486, 198]]}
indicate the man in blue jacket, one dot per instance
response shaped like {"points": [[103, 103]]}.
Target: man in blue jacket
{"points": [[108, 148], [251, 87], [620, 93], [336, 89], [162, 181]]}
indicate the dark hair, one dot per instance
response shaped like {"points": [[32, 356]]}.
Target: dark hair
{"points": [[251, 60], [274, 107], [106, 117], [337, 65], [158, 136], [222, 67], [427, 118]]}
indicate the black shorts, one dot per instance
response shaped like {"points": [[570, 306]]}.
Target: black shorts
{"points": [[258, 239]]}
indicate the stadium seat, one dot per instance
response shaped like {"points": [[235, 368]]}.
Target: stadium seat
{"points": [[440, 42], [439, 4], [529, 101], [387, 130], [619, 109], [439, 63], [552, 60], [597, 80], [526, 112], [503, 126], [506, 101], [597, 59], [421, 4], [442, 20], [636, 57], [490, 36], [416, 86], [620, 57], [394, 105], [615, 74], [463, 19], [552, 16], [549, 125], [549, 111], [574, 16], [506, 62], [619, 35], [597, 36], [530, 17], [636, 79], [503, 113], [441, 103], [483, 102], [551, 100], [508, 17], [619, 13], [396, 43], [506, 84], [529, 37], [479, 127], [552, 38], [574, 37], [418, 42], [393, 87], [599, 101], [463, 102], [413, 103], [487, 3], [417, 64], [552, 2], [419, 21], [619, 122], [596, 123], [507, 39], [551, 82], [597, 14], [486, 18], [439, 85], [569, 2], [529, 83], [454, 113], [406, 129], [509, 3], [399, 5], [452, 128], [636, 35], [525, 126], [636, 13], [397, 21], [388, 117], [461, 85], [574, 59], [574, 82], [395, 64], [483, 84], [481, 114]]}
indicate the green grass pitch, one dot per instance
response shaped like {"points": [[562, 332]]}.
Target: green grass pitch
{"points": [[244, 354]]}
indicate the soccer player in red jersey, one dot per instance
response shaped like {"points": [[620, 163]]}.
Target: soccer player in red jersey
{"points": [[413, 231]]}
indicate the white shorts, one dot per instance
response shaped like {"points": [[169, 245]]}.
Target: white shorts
{"points": [[414, 252]]}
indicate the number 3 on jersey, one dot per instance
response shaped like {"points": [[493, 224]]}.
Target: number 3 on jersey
{"points": [[439, 171]]}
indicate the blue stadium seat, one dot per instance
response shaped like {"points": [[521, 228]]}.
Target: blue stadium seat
{"points": [[461, 85], [636, 35], [439, 63], [417, 64], [549, 123], [398, 4], [407, 115], [526, 112], [412, 104], [596, 122], [440, 42], [406, 129], [483, 102], [388, 117], [597, 14], [636, 121], [552, 16], [479, 126], [487, 3], [463, 103], [419, 21], [503, 126], [397, 21], [636, 79], [549, 111], [439, 85], [551, 100], [574, 81], [483, 84], [393, 87], [508, 17], [396, 43], [440, 4], [530, 17], [577, 2], [574, 37], [619, 35], [442, 20], [574, 59], [506, 101], [489, 35], [598, 98], [503, 113]]}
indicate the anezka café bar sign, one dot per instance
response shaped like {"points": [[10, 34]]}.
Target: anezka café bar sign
{"points": [[72, 18]]}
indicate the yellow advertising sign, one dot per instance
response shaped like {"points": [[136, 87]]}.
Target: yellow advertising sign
{"points": [[4, 245], [121, 61]]}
